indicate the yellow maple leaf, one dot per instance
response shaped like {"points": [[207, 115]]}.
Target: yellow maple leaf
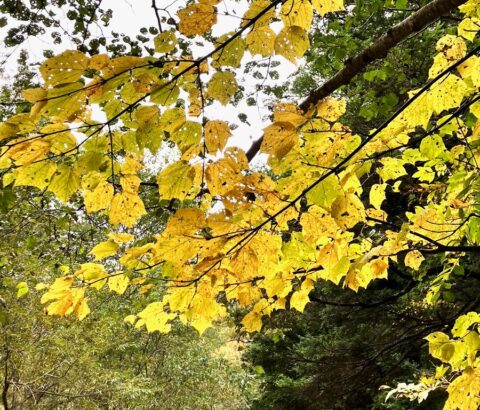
{"points": [[67, 67], [24, 153], [331, 109], [121, 237], [292, 42], [196, 19], [93, 274], [327, 6], [297, 13], [126, 209], [279, 138], [118, 283], [468, 28], [252, 322], [65, 182], [463, 391], [176, 181], [299, 299], [231, 54], [99, 198], [222, 86], [256, 7], [104, 249], [348, 210], [38, 174], [261, 40], [216, 135], [165, 42], [155, 318], [377, 195], [414, 259]]}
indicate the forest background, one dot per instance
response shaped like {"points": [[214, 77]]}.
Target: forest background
{"points": [[341, 343]]}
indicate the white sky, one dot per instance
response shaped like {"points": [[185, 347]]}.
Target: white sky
{"points": [[130, 16]]}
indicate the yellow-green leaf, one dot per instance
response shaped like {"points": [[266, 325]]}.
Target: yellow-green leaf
{"points": [[377, 195], [165, 42], [216, 135], [222, 86], [118, 283], [65, 182], [292, 42], [104, 249], [67, 67], [414, 259]]}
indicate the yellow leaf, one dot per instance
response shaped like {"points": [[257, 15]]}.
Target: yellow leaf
{"points": [[463, 323], [34, 95], [297, 13], [216, 135], [130, 183], [176, 181], [299, 299], [165, 42], [187, 136], [145, 288], [222, 176], [121, 238], [93, 274], [172, 119], [468, 28], [377, 195], [121, 65], [292, 42], [222, 86], [257, 7], [126, 209], [252, 322], [463, 391], [65, 101], [452, 47], [104, 250], [196, 19], [22, 289], [165, 93], [327, 6], [99, 198], [130, 319], [325, 193], [279, 138], [82, 309], [231, 54], [67, 67], [331, 109], [155, 318], [287, 112], [204, 309], [348, 210], [99, 61], [261, 40], [186, 221], [8, 130], [65, 182], [414, 259], [447, 94], [118, 283], [30, 151], [37, 175], [392, 168]]}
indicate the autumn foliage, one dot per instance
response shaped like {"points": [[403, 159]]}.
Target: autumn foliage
{"points": [[260, 238]]}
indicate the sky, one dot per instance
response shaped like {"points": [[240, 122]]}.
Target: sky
{"points": [[130, 15]]}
